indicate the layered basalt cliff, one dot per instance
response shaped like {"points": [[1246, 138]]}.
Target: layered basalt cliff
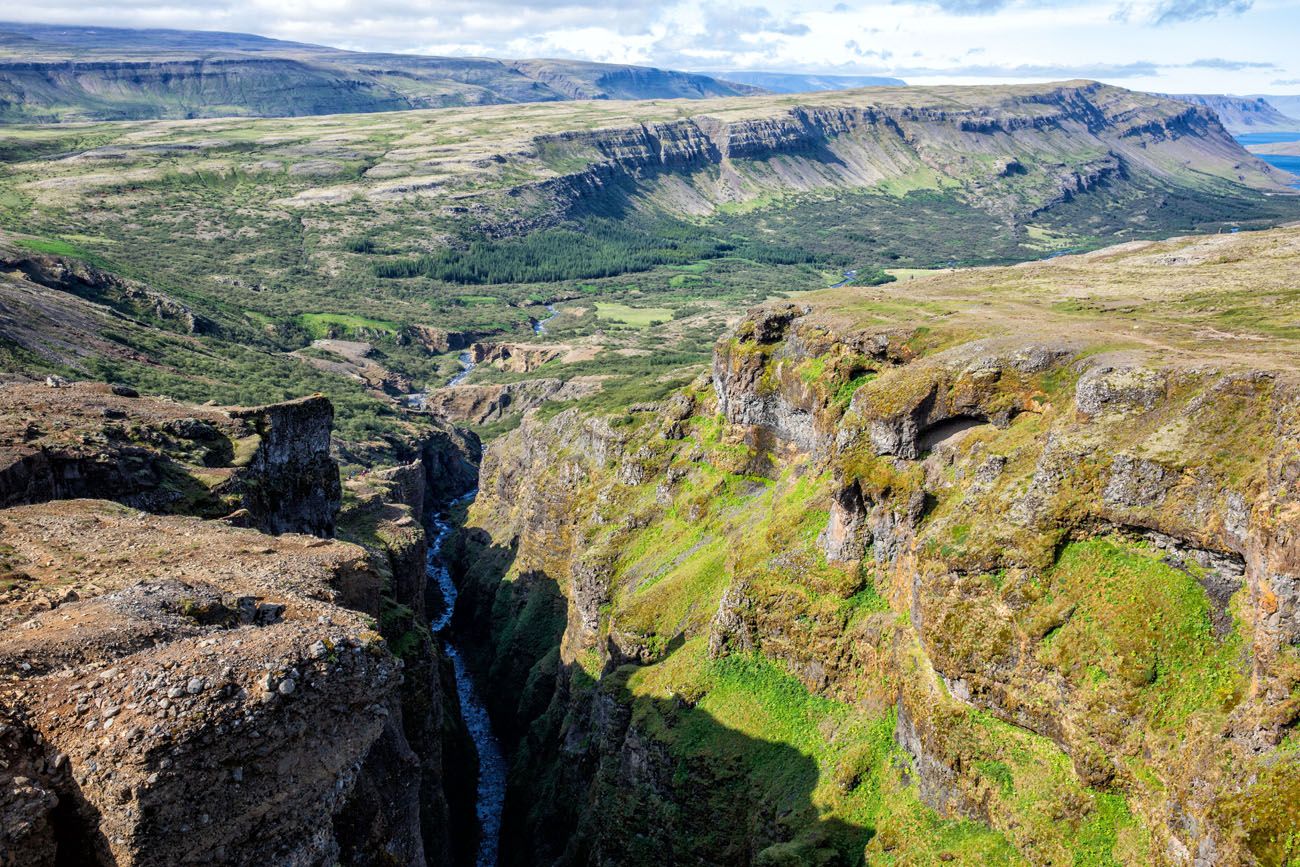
{"points": [[979, 578], [130, 89], [94, 73], [1013, 155]]}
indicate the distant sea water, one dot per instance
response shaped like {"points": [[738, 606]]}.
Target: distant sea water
{"points": [[1285, 162], [1258, 138]]}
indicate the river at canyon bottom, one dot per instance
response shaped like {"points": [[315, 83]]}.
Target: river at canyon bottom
{"points": [[491, 794]]}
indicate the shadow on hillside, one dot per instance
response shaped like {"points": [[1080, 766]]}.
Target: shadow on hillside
{"points": [[637, 780], [601, 775], [63, 832], [75, 823]]}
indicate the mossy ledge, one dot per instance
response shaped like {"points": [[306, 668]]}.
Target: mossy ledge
{"points": [[994, 573]]}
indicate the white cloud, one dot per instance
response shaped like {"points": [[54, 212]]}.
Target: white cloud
{"points": [[1215, 45], [1162, 13]]}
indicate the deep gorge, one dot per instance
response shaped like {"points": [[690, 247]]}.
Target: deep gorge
{"points": [[972, 589], [671, 486], [904, 560]]}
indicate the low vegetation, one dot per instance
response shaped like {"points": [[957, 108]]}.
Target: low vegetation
{"points": [[370, 227], [1035, 655]]}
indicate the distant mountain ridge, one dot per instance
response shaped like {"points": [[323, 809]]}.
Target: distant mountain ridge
{"points": [[1245, 114], [796, 82], [1288, 104], [52, 73], [77, 41]]}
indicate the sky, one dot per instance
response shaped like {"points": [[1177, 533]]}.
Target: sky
{"points": [[1181, 46]]}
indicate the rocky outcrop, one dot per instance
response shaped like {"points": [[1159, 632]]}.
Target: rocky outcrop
{"points": [[436, 341], [356, 360], [96, 285], [752, 393], [913, 411], [516, 357], [212, 698], [483, 404], [448, 458], [64, 441], [291, 483], [1104, 389]]}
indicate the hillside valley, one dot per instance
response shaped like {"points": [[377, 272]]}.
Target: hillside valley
{"points": [[412, 236], [897, 475]]}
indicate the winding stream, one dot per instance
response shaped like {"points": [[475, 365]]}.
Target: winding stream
{"points": [[467, 365], [417, 399], [539, 327], [466, 368], [491, 763], [848, 277]]}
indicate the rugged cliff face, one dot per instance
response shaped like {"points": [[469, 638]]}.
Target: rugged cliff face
{"points": [[1014, 154], [183, 690], [1004, 573], [272, 463]]}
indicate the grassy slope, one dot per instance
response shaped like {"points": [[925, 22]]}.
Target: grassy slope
{"points": [[1229, 299], [1145, 674], [278, 229]]}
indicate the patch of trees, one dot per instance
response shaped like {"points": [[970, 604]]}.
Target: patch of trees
{"points": [[603, 248]]}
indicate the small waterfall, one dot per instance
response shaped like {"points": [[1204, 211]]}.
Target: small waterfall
{"points": [[418, 399]]}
